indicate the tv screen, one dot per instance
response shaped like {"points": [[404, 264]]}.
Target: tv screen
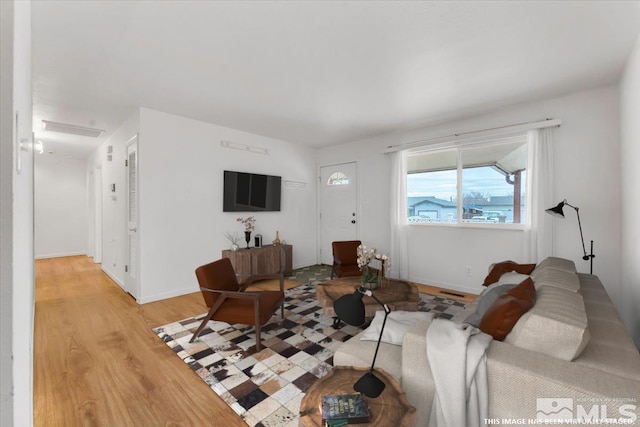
{"points": [[250, 192]]}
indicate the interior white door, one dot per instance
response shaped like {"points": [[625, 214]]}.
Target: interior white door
{"points": [[97, 224], [131, 269], [338, 202]]}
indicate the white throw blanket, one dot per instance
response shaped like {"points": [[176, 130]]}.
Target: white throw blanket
{"points": [[457, 356]]}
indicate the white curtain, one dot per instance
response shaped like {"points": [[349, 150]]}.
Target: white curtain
{"points": [[538, 235], [399, 246]]}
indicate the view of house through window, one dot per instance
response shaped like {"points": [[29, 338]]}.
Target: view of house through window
{"points": [[472, 184]]}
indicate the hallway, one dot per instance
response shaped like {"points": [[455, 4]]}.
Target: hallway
{"points": [[97, 362]]}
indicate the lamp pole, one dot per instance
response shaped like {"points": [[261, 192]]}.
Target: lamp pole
{"points": [[557, 211], [587, 257]]}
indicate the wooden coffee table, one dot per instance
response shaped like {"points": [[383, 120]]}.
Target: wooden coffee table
{"points": [[391, 408], [397, 294]]}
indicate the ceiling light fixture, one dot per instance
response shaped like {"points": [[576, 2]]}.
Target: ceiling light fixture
{"points": [[244, 147], [71, 129]]}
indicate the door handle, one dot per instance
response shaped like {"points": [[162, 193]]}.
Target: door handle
{"points": [[353, 221], [135, 230]]}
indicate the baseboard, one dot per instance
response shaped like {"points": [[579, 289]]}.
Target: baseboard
{"points": [[165, 295], [60, 255]]}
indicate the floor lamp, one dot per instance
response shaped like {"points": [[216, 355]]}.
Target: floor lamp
{"points": [[350, 308], [557, 211]]}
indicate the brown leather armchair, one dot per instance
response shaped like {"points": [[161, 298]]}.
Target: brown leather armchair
{"points": [[228, 302], [345, 258]]}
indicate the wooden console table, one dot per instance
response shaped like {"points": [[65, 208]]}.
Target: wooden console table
{"points": [[268, 259]]}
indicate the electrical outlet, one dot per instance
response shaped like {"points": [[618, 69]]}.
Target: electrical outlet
{"points": [[467, 271]]}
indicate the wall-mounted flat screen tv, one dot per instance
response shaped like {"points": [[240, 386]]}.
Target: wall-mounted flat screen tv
{"points": [[250, 192]]}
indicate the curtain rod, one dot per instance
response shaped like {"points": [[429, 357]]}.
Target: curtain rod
{"points": [[519, 127]]}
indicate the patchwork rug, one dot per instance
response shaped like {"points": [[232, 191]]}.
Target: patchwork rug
{"points": [[265, 388]]}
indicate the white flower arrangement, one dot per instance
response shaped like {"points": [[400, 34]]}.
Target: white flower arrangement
{"points": [[366, 255], [248, 222]]}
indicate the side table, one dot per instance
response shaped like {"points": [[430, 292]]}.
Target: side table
{"points": [[391, 408]]}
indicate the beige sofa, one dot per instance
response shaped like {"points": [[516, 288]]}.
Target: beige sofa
{"points": [[571, 344]]}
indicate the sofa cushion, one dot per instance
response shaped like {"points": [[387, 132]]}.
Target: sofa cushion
{"points": [[611, 349], [556, 325], [360, 354], [507, 309], [552, 276], [558, 263], [497, 270], [397, 324]]}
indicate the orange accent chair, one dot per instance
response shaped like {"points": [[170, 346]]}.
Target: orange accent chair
{"points": [[345, 258], [228, 301]]}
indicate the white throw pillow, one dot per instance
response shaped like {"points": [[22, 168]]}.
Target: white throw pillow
{"points": [[398, 323], [512, 278]]}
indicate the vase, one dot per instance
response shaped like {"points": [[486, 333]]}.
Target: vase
{"points": [[369, 279], [234, 247], [247, 237], [277, 239]]}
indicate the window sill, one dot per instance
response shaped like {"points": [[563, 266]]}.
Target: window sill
{"points": [[511, 227]]}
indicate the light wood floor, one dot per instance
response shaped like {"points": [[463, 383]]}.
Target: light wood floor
{"points": [[97, 362]]}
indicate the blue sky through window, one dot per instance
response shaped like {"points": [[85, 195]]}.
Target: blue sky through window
{"points": [[442, 184]]}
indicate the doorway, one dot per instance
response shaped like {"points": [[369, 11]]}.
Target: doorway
{"points": [[131, 268], [338, 203], [97, 215]]}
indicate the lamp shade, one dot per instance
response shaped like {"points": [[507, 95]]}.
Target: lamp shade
{"points": [[556, 211], [350, 308]]}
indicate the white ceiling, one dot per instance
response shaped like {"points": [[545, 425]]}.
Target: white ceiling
{"points": [[315, 73]]}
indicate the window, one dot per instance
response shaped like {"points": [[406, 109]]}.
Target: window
{"points": [[476, 183], [338, 178]]}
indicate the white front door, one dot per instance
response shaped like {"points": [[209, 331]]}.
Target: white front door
{"points": [[131, 269], [338, 214]]}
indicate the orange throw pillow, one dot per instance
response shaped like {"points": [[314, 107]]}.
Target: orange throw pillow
{"points": [[503, 314], [506, 267]]}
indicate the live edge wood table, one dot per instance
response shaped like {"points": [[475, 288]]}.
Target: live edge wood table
{"points": [[398, 295], [391, 408]]}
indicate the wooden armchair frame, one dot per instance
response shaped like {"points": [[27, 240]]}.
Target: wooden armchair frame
{"points": [[224, 295]]}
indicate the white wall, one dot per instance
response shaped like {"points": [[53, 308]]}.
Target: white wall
{"points": [[586, 151], [112, 205], [181, 223], [630, 159], [16, 196], [60, 206]]}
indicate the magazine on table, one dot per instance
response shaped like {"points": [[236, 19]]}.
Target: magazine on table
{"points": [[341, 409]]}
